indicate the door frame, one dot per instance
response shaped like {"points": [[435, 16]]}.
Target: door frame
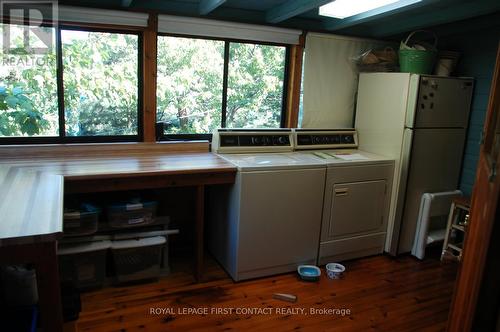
{"points": [[483, 215]]}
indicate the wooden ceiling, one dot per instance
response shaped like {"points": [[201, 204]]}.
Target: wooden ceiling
{"points": [[385, 22]]}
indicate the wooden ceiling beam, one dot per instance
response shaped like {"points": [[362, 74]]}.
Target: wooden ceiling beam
{"points": [[453, 13], [292, 8], [207, 6], [127, 3]]}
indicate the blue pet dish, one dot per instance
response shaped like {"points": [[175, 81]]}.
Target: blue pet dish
{"points": [[309, 272]]}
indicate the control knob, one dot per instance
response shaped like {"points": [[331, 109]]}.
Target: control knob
{"points": [[348, 139], [283, 140], [256, 140]]}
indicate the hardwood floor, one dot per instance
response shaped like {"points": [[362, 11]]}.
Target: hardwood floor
{"points": [[382, 294]]}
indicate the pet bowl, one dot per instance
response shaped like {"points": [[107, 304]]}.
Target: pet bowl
{"points": [[334, 270], [309, 272]]}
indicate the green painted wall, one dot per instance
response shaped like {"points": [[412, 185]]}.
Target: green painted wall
{"points": [[478, 60]]}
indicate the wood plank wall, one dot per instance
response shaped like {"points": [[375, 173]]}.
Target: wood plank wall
{"points": [[478, 48]]}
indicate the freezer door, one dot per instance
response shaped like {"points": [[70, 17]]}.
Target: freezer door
{"points": [[435, 164], [443, 103]]}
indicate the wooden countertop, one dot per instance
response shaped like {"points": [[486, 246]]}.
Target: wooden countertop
{"points": [[31, 206], [32, 190], [126, 165]]}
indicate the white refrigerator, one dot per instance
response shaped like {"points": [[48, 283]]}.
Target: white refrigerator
{"points": [[420, 121]]}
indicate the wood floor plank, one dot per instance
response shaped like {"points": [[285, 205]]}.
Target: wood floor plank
{"points": [[382, 294]]}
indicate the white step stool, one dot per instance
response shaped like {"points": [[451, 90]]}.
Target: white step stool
{"points": [[431, 205]]}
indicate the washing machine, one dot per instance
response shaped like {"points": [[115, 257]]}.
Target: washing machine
{"points": [[269, 220], [356, 194]]}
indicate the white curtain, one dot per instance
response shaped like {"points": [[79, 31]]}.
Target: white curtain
{"points": [[330, 79], [221, 29]]}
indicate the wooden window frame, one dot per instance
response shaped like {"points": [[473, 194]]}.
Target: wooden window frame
{"points": [[227, 42], [61, 138], [147, 83]]}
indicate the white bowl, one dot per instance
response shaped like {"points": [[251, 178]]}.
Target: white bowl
{"points": [[334, 270]]}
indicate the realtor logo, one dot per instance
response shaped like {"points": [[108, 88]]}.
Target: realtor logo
{"points": [[28, 30]]}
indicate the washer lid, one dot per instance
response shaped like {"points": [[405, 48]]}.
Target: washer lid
{"points": [[264, 161]]}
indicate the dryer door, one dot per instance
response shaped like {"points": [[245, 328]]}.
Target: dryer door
{"points": [[357, 208]]}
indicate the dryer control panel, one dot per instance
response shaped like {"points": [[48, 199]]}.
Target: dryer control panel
{"points": [[325, 138]]}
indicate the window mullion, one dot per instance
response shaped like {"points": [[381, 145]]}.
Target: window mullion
{"points": [[60, 85], [284, 96], [224, 84]]}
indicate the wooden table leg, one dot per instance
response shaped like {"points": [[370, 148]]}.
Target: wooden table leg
{"points": [[49, 292], [199, 232]]}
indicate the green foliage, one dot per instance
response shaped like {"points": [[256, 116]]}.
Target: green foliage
{"points": [[189, 92], [28, 93], [255, 87], [100, 73], [100, 83], [17, 114], [190, 75], [100, 88]]}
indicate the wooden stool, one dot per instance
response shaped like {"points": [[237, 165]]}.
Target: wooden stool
{"points": [[458, 220]]}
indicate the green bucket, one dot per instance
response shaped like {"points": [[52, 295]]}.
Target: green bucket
{"points": [[416, 61]]}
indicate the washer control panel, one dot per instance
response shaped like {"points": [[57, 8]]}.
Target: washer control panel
{"points": [[252, 140]]}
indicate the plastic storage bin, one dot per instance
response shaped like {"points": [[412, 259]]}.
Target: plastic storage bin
{"points": [[137, 259], [18, 285], [130, 214], [83, 264], [82, 221]]}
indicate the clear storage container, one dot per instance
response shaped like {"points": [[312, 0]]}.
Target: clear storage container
{"points": [[82, 221], [132, 213], [83, 264], [138, 259]]}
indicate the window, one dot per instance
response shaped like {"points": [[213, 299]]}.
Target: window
{"points": [[255, 86], [205, 84], [89, 91], [28, 87], [100, 75], [87, 85], [189, 84]]}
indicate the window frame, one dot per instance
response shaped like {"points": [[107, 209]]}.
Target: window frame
{"points": [[62, 138], [227, 42]]}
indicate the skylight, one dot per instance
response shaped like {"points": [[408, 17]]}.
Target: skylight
{"points": [[346, 8]]}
